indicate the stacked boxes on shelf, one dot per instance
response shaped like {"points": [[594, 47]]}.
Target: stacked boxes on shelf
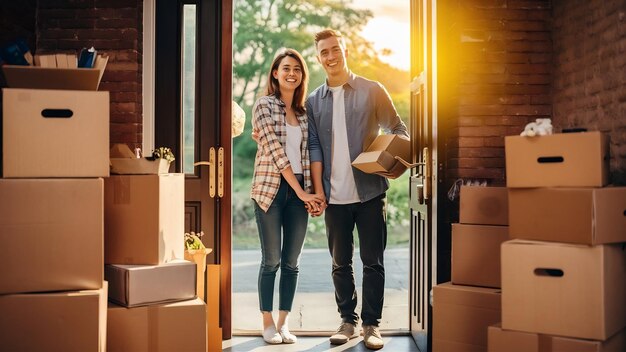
{"points": [[55, 153], [564, 271], [152, 289], [464, 308]]}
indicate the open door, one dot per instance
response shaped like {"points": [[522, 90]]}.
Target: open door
{"points": [[422, 192], [193, 75]]}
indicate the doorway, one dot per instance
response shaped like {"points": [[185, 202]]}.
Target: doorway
{"points": [[255, 40], [211, 118]]}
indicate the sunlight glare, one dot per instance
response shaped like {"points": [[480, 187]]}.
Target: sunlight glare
{"points": [[389, 29]]}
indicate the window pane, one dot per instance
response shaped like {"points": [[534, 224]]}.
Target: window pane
{"points": [[188, 87]]}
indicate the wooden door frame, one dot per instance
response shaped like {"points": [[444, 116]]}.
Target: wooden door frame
{"points": [[225, 128], [424, 75], [221, 38]]}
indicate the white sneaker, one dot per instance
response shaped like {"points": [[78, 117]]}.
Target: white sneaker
{"points": [[271, 336], [287, 336]]}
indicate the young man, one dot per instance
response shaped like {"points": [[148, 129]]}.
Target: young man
{"points": [[345, 115]]}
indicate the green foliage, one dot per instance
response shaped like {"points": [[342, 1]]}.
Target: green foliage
{"points": [[193, 241], [163, 153], [262, 27]]}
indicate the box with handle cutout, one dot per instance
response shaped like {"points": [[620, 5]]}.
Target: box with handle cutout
{"points": [[55, 133], [563, 289], [558, 160]]}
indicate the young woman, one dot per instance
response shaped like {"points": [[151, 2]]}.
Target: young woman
{"points": [[281, 187]]}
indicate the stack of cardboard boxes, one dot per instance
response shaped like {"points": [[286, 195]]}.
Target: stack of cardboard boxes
{"points": [[464, 308], [55, 153], [62, 218], [564, 271], [154, 291]]}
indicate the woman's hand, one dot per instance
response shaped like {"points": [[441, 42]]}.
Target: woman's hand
{"points": [[316, 208], [310, 198]]}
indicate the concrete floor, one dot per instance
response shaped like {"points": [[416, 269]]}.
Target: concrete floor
{"points": [[315, 344], [314, 308]]}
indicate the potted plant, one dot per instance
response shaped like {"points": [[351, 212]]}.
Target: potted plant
{"points": [[196, 252]]}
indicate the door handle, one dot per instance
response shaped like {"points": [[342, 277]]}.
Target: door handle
{"points": [[426, 169], [211, 165], [220, 172]]}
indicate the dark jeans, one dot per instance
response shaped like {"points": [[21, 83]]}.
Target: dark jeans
{"points": [[286, 216], [370, 221]]}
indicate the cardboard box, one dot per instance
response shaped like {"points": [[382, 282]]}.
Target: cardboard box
{"points": [[170, 327], [516, 341], [575, 215], [563, 289], [144, 219], [125, 162], [558, 160], [476, 254], [139, 166], [137, 285], [59, 321], [484, 205], [55, 78], [51, 234], [55, 133], [379, 156], [461, 315]]}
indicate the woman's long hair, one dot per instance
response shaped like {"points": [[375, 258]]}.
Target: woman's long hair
{"points": [[273, 88]]}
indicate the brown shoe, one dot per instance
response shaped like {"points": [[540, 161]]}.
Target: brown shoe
{"points": [[372, 338], [344, 333]]}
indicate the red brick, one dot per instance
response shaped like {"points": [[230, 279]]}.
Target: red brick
{"points": [[486, 173], [494, 141], [115, 22], [506, 120], [120, 76], [529, 68], [529, 4], [62, 13], [528, 26], [480, 152], [123, 107], [125, 117], [118, 3], [483, 131], [471, 142], [470, 121], [64, 4]]}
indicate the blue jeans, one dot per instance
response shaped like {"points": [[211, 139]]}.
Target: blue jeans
{"points": [[370, 221], [286, 216]]}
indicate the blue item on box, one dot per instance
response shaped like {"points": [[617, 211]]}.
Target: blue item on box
{"points": [[13, 53], [87, 57]]}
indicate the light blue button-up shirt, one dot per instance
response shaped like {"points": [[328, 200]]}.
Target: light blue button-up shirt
{"points": [[368, 109]]}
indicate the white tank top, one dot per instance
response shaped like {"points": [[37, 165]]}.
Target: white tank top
{"points": [[294, 139]]}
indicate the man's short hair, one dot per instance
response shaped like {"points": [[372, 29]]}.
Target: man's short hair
{"points": [[327, 33]]}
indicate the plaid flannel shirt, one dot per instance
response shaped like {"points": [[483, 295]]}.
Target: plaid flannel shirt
{"points": [[269, 120]]}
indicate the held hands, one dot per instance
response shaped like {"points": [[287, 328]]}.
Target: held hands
{"points": [[317, 206]]}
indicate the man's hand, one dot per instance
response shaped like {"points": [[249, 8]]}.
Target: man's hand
{"points": [[255, 135], [395, 172]]}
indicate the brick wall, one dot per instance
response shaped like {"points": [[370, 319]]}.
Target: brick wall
{"points": [[590, 72], [495, 62], [503, 78], [113, 27]]}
